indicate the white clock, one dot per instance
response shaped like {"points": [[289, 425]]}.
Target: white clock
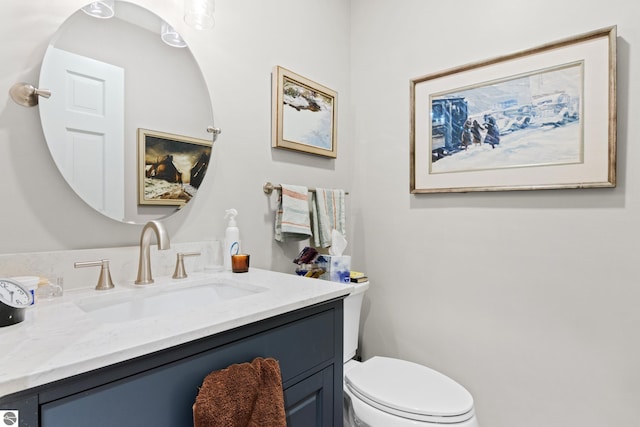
{"points": [[14, 298], [14, 294]]}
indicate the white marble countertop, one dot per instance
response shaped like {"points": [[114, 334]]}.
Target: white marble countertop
{"points": [[58, 339]]}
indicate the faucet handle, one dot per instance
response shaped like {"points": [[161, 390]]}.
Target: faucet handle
{"points": [[180, 272], [104, 281]]}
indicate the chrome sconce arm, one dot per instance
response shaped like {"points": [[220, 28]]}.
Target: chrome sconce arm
{"points": [[214, 131]]}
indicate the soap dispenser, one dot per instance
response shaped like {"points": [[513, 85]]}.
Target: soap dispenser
{"points": [[231, 238]]}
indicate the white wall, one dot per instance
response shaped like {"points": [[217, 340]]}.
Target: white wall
{"points": [[529, 299], [251, 36], [526, 298]]}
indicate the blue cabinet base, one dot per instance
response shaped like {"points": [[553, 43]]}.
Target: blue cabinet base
{"points": [[159, 389]]}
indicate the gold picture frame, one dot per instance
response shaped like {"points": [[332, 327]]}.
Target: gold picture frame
{"points": [[170, 167], [304, 114], [543, 118]]}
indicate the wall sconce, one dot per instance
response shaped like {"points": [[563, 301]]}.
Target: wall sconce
{"points": [[199, 13], [100, 9], [170, 36], [27, 95]]}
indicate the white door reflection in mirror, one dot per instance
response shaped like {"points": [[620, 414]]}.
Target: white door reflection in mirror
{"points": [[164, 90], [84, 122]]}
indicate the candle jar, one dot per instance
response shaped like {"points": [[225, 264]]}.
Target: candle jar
{"points": [[240, 263]]}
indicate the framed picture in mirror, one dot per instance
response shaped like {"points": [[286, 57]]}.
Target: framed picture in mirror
{"points": [[170, 167], [304, 114]]}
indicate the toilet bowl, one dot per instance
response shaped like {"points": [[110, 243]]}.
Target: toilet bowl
{"points": [[388, 392]]}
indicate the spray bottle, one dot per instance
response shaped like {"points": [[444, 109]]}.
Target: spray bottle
{"points": [[231, 238]]}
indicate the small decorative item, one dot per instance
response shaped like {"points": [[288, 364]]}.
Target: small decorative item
{"points": [[336, 267], [544, 118], [170, 167], [304, 114], [312, 271], [240, 263]]}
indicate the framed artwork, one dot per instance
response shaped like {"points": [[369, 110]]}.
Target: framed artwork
{"points": [[170, 167], [544, 118], [304, 114]]}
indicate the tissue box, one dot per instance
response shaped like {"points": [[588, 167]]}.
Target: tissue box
{"points": [[336, 268]]}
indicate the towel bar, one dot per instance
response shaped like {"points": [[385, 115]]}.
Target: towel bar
{"points": [[269, 187]]}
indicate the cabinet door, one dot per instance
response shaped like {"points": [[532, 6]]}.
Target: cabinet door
{"points": [[309, 403]]}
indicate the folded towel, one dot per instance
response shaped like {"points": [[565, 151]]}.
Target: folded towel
{"points": [[328, 212], [246, 394], [292, 215]]}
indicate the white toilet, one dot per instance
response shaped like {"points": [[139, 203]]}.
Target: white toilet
{"points": [[386, 392]]}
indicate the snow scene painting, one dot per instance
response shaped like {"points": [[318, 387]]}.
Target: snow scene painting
{"points": [[171, 168], [304, 114], [540, 118], [527, 120], [307, 116]]}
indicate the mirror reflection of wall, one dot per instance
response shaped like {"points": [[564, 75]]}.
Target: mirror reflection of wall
{"points": [[164, 90]]}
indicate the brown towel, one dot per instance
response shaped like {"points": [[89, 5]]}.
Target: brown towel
{"points": [[246, 394]]}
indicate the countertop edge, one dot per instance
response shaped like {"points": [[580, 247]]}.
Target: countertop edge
{"points": [[286, 293]]}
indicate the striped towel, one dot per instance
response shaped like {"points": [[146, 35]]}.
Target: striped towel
{"points": [[292, 216], [328, 212]]}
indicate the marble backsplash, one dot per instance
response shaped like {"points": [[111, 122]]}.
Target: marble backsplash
{"points": [[123, 262]]}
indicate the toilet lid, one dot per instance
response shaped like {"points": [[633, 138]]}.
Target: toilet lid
{"points": [[410, 390]]}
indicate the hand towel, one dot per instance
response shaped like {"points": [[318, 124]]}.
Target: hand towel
{"points": [[328, 211], [242, 395], [292, 215]]}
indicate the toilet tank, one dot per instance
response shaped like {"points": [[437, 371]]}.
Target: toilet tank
{"points": [[352, 306]]}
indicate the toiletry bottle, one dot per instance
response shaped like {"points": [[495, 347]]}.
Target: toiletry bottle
{"points": [[231, 238]]}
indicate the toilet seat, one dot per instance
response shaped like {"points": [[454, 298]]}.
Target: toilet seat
{"points": [[410, 390]]}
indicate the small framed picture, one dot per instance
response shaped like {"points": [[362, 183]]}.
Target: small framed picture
{"points": [[170, 167], [304, 114], [544, 118]]}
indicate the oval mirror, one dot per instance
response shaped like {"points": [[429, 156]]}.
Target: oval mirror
{"points": [[126, 123]]}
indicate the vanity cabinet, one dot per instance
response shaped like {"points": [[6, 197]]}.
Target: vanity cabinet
{"points": [[159, 389]]}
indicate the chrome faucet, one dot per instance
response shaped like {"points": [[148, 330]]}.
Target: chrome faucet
{"points": [[144, 265]]}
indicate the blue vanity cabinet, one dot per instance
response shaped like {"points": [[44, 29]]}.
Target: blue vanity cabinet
{"points": [[159, 389]]}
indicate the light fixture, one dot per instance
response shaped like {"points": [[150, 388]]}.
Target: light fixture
{"points": [[199, 13], [170, 36], [100, 9]]}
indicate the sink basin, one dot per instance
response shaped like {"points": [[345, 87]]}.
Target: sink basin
{"points": [[143, 303]]}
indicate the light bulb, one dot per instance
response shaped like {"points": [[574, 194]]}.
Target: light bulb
{"points": [[100, 9], [170, 36]]}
